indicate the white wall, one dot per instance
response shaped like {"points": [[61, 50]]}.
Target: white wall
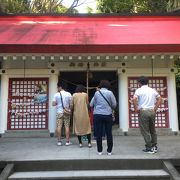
{"points": [[172, 103], [19, 73], [136, 67], [4, 103], [123, 101], [52, 110]]}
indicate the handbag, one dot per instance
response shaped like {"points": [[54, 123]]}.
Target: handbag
{"points": [[66, 111], [113, 114]]}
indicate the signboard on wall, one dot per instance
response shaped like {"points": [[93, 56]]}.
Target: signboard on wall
{"points": [[28, 103], [162, 115]]}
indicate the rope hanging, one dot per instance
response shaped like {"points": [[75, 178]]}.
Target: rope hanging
{"points": [[24, 73], [152, 67], [87, 79]]}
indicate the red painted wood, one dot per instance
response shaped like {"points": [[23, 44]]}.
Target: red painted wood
{"points": [[93, 34], [162, 117], [23, 112], [169, 48]]}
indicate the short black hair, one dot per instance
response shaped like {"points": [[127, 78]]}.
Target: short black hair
{"points": [[80, 88], [104, 84], [62, 84], [143, 80]]}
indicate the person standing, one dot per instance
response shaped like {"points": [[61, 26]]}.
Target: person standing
{"points": [[94, 124], [146, 102], [62, 100], [103, 104], [81, 119]]}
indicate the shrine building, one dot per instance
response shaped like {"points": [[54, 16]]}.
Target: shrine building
{"points": [[38, 50]]}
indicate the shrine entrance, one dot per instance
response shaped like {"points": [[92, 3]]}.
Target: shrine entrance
{"points": [[94, 77]]}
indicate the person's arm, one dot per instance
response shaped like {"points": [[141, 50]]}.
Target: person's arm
{"points": [[135, 103], [113, 100], [158, 102], [92, 102], [72, 103], [54, 102], [87, 102]]}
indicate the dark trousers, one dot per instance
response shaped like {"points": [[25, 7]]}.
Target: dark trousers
{"points": [[95, 129], [106, 122]]}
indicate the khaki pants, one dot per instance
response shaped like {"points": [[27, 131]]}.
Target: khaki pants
{"points": [[62, 119], [147, 127]]}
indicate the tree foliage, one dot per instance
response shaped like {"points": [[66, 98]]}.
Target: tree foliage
{"points": [[177, 65], [173, 5], [132, 6], [103, 6], [47, 6], [39, 6], [14, 6]]}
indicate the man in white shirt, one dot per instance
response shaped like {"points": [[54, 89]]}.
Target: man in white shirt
{"points": [[62, 100], [146, 102]]}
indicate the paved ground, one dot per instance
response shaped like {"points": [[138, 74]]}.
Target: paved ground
{"points": [[125, 147]]}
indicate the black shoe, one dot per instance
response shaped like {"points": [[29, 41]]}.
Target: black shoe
{"points": [[150, 151], [155, 149]]}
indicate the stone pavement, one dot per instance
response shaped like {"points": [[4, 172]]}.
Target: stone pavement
{"points": [[125, 147]]}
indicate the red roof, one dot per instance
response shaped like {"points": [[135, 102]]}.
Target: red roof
{"points": [[89, 34]]}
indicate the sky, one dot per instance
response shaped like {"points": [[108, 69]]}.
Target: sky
{"points": [[82, 8]]}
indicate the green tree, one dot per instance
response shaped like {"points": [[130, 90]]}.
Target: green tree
{"points": [[89, 10], [14, 6], [132, 6], [39, 6], [47, 6], [177, 65], [173, 5]]}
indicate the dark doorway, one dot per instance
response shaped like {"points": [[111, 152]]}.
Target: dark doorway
{"points": [[74, 78]]}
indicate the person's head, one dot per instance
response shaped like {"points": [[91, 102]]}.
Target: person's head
{"points": [[104, 84], [143, 80], [61, 85], [80, 88], [97, 88]]}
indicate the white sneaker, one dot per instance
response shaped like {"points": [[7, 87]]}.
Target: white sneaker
{"points": [[155, 149], [68, 143], [109, 153], [59, 143], [100, 153], [89, 145], [80, 145]]}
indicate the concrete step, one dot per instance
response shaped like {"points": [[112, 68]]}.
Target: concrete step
{"points": [[27, 133], [88, 164], [159, 131], [116, 131], [158, 174]]}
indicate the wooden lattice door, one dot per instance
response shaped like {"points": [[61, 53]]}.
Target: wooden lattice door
{"points": [[28, 103], [162, 115]]}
